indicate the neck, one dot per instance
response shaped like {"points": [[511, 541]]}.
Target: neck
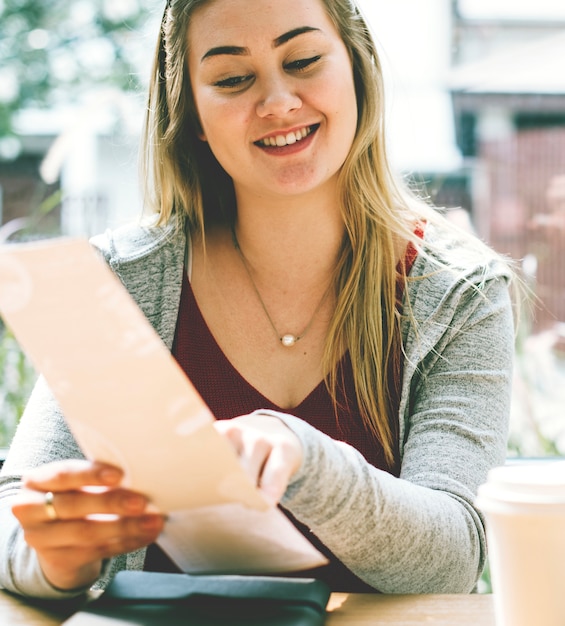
{"points": [[288, 240]]}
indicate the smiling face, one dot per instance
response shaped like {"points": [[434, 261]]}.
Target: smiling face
{"points": [[273, 88]]}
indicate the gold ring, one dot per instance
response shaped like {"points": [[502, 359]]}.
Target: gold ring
{"points": [[50, 507]]}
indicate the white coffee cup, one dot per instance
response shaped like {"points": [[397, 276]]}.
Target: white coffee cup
{"points": [[524, 508]]}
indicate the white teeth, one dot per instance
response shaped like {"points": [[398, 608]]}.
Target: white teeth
{"points": [[291, 138], [286, 140]]}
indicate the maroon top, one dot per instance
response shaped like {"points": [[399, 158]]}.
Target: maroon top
{"points": [[228, 395]]}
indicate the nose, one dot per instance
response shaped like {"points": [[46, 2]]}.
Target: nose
{"points": [[278, 98]]}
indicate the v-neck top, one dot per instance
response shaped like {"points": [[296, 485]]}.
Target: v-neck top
{"points": [[228, 394]]}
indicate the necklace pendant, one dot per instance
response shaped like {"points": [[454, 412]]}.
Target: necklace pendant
{"points": [[289, 340]]}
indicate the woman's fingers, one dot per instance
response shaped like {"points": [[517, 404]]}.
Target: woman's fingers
{"points": [[73, 474], [250, 444], [277, 472], [35, 507], [268, 450], [97, 538]]}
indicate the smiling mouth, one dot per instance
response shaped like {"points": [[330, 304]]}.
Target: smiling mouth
{"points": [[279, 141]]}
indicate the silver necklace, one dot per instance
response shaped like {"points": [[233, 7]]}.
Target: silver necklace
{"points": [[287, 339]]}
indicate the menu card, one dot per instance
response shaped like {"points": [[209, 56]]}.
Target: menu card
{"points": [[127, 402]]}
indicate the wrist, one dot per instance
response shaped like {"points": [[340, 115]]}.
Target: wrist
{"points": [[71, 582]]}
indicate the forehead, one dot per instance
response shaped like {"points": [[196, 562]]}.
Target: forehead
{"points": [[242, 22]]}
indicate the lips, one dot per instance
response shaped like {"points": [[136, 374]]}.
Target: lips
{"points": [[288, 139]]}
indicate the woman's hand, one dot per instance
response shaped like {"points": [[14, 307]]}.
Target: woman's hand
{"points": [[268, 450], [91, 518]]}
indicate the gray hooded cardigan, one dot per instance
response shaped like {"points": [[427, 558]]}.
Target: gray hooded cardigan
{"points": [[419, 533]]}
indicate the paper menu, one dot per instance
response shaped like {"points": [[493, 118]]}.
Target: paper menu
{"points": [[196, 538], [124, 396]]}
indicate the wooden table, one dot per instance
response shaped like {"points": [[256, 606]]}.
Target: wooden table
{"points": [[433, 610], [344, 610]]}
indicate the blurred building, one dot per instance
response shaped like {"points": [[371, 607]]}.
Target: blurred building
{"points": [[508, 93], [77, 166], [20, 184]]}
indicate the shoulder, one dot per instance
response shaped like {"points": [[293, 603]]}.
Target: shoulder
{"points": [[455, 255], [454, 278], [451, 262], [149, 261], [136, 241]]}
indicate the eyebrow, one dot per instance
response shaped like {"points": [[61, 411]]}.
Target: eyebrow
{"points": [[240, 50]]}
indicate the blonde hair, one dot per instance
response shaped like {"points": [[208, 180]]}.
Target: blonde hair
{"points": [[184, 180]]}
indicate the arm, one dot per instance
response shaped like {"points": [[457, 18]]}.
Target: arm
{"points": [[420, 532]]}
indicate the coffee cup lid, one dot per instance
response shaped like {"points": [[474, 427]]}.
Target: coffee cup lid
{"points": [[539, 482]]}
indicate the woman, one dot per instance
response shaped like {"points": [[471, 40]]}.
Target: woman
{"points": [[360, 345]]}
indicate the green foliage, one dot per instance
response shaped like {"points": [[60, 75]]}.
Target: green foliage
{"points": [[51, 49], [485, 584], [16, 381]]}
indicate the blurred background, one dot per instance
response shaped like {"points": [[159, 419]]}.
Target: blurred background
{"points": [[476, 118]]}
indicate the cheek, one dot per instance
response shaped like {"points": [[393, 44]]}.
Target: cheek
{"points": [[337, 89], [225, 126], [346, 109], [351, 108], [224, 142], [209, 112], [211, 124]]}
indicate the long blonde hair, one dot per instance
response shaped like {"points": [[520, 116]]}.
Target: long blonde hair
{"points": [[185, 181]]}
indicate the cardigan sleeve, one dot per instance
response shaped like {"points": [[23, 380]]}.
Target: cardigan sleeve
{"points": [[421, 533]]}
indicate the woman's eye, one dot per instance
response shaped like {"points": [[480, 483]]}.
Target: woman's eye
{"points": [[232, 81], [302, 64]]}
